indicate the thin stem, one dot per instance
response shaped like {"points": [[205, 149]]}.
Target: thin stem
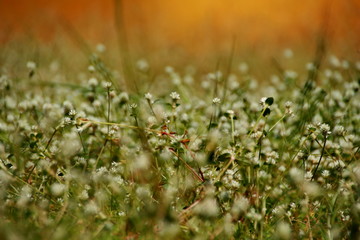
{"points": [[187, 166], [258, 120], [81, 139], [101, 151], [322, 154], [277, 123], [232, 129], [108, 110], [121, 125], [232, 159]]}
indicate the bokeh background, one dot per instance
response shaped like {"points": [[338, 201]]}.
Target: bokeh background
{"points": [[187, 27]]}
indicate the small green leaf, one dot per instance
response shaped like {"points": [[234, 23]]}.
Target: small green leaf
{"points": [[267, 112], [39, 135], [33, 145], [269, 101], [218, 184], [224, 157]]}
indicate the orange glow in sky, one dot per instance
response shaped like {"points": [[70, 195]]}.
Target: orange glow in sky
{"points": [[193, 25]]}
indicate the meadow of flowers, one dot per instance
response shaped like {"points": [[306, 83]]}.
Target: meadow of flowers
{"points": [[219, 155]]}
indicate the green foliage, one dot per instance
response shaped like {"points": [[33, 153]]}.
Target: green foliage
{"points": [[91, 160]]}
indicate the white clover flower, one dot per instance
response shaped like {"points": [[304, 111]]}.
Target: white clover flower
{"points": [[169, 69], [133, 106], [325, 129], [205, 84], [31, 65], [216, 101], [312, 189], [91, 68], [57, 189], [72, 112], [240, 206], [263, 100], [84, 195], [124, 97], [231, 113], [308, 175], [256, 135], [25, 196], [93, 82], [100, 48], [339, 130], [142, 65], [296, 175], [67, 121], [207, 208], [106, 84], [282, 168], [291, 74], [175, 96], [310, 66], [243, 67], [68, 105], [283, 231], [325, 173], [254, 215], [91, 208], [96, 103], [141, 162], [148, 96], [334, 61], [288, 104]]}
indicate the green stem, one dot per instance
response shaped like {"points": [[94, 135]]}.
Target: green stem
{"points": [[322, 154]]}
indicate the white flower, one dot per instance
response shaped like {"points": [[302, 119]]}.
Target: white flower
{"points": [[91, 68], [325, 173], [142, 65], [230, 112], [243, 67], [256, 135], [93, 82], [339, 130], [175, 96], [282, 168], [31, 65], [57, 189], [207, 208], [91, 208], [107, 84], [288, 104], [334, 61], [296, 175], [148, 96], [100, 48], [288, 53], [310, 66], [325, 129], [133, 105], [72, 112], [263, 100], [67, 121], [240, 206], [216, 101], [283, 230]]}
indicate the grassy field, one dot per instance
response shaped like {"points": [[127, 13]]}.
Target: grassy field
{"points": [[179, 153]]}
